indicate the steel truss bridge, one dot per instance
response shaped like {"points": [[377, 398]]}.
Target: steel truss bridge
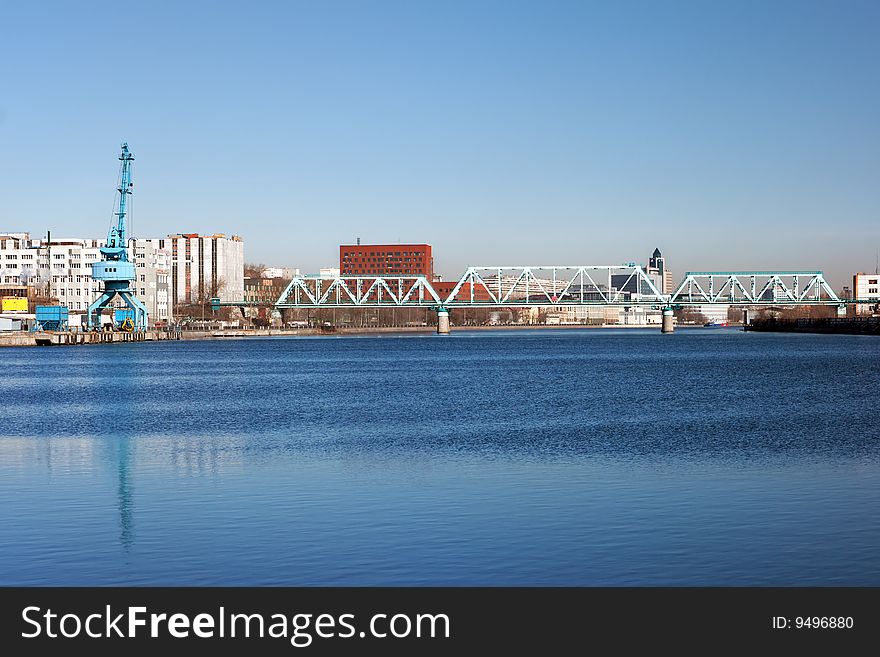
{"points": [[559, 286]]}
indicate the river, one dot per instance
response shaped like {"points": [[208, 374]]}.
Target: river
{"points": [[534, 457]]}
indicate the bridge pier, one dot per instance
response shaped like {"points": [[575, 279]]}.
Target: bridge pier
{"points": [[442, 321], [745, 318], [667, 326]]}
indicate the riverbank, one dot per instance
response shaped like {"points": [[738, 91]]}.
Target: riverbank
{"points": [[28, 339]]}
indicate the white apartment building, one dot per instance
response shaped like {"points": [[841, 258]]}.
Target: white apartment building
{"points": [[62, 270], [866, 287], [170, 271], [205, 266]]}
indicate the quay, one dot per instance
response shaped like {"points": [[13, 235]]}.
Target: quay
{"points": [[57, 338], [65, 338], [73, 338]]}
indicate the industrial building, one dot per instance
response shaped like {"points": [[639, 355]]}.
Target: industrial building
{"points": [[866, 287], [386, 260]]}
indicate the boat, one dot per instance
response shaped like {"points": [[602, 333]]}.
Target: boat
{"points": [[711, 324]]}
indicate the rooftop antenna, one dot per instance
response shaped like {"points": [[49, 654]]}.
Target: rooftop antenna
{"points": [[359, 241], [877, 263]]}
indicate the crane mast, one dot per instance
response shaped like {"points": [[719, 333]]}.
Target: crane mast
{"points": [[115, 270]]}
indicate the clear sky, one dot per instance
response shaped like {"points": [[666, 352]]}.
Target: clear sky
{"points": [[730, 134]]}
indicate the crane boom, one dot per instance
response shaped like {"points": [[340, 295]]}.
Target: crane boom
{"points": [[116, 247]]}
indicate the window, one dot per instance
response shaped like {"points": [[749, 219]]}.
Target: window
{"points": [[59, 256], [143, 278]]}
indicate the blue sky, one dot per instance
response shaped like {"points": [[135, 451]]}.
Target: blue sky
{"points": [[730, 134]]}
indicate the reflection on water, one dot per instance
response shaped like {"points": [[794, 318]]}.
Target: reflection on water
{"points": [[124, 492], [576, 457]]}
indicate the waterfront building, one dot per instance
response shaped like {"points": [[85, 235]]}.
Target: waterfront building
{"points": [[590, 315], [263, 291], [713, 312], [61, 271], [170, 271], [866, 287], [205, 266], [386, 260]]}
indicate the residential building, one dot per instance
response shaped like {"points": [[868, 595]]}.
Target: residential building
{"points": [[179, 269], [263, 290], [62, 270], [866, 287], [205, 266]]}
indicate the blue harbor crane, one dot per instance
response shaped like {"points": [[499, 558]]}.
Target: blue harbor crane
{"points": [[114, 269]]}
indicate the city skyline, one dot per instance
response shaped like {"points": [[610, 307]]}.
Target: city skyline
{"points": [[731, 137]]}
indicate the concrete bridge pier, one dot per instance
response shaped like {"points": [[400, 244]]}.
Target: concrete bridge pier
{"points": [[442, 321], [745, 318], [667, 326]]}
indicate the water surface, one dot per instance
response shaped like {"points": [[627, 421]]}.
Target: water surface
{"points": [[557, 457]]}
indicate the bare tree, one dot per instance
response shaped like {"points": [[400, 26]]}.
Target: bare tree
{"points": [[253, 269], [687, 315]]}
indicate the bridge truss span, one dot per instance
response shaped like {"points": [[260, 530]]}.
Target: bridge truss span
{"points": [[554, 286], [357, 291], [754, 287]]}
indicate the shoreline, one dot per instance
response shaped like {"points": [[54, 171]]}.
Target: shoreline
{"points": [[28, 339]]}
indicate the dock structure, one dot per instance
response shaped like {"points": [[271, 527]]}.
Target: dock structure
{"points": [[59, 338]]}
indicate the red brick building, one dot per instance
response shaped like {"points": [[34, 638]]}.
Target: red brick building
{"points": [[386, 260]]}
